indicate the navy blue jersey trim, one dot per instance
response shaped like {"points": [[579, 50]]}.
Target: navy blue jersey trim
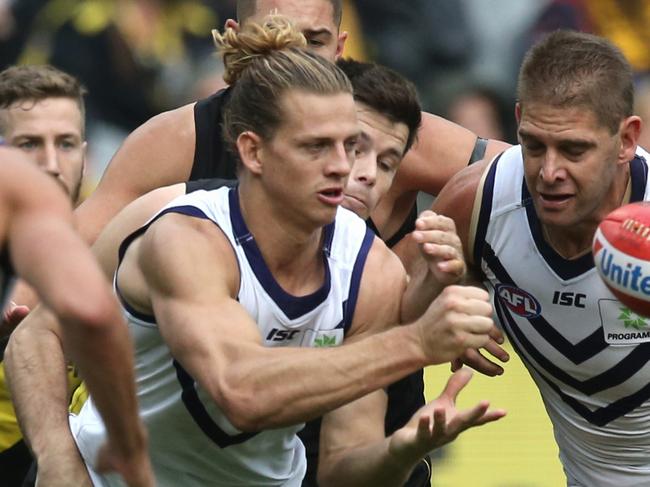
{"points": [[350, 304], [292, 306], [577, 353], [569, 268], [600, 416], [485, 212], [616, 375], [639, 177], [183, 210], [564, 268], [200, 415], [132, 311]]}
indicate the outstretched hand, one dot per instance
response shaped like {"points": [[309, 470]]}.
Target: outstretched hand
{"points": [[440, 247], [440, 422]]}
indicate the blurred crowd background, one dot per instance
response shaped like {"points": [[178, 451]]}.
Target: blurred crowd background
{"points": [[140, 57]]}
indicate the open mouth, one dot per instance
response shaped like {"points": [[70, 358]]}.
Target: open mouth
{"points": [[331, 196], [554, 199]]}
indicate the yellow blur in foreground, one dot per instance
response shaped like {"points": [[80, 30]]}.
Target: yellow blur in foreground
{"points": [[516, 451]]}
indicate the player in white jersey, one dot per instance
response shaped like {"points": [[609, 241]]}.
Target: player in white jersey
{"points": [[276, 255], [528, 235]]}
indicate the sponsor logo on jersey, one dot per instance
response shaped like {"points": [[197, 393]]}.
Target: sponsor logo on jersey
{"points": [[621, 325], [328, 338], [277, 335], [518, 301], [568, 298]]}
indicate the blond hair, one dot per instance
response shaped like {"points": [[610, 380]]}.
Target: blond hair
{"points": [[262, 63]]}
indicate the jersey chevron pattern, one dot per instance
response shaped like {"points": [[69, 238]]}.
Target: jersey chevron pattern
{"points": [[585, 350], [192, 442]]}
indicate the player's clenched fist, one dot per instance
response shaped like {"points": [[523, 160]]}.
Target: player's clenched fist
{"points": [[458, 319]]}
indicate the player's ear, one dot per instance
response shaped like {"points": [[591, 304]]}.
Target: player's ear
{"points": [[84, 165], [340, 44], [518, 112], [629, 130], [249, 146]]}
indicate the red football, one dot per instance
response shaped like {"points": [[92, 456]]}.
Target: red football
{"points": [[621, 250]]}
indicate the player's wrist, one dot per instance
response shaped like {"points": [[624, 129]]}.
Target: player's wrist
{"points": [[132, 444], [54, 446]]}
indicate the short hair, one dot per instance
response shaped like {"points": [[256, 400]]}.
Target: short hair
{"points": [[38, 82], [246, 9], [387, 92], [575, 69], [262, 63]]}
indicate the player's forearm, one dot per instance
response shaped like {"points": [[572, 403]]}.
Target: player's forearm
{"points": [[104, 355], [269, 387], [369, 465], [36, 375]]}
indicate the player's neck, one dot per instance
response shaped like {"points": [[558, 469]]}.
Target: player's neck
{"points": [[569, 245], [292, 252]]}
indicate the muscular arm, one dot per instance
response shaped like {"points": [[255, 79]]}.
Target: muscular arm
{"points": [[158, 153], [36, 366], [443, 149], [41, 238], [246, 379]]}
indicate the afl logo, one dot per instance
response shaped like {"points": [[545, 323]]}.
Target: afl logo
{"points": [[518, 301]]}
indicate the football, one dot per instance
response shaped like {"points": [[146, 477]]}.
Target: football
{"points": [[621, 250]]}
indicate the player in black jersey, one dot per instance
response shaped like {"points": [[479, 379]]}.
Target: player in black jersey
{"points": [[180, 145]]}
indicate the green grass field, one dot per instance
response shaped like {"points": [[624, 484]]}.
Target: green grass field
{"points": [[517, 451]]}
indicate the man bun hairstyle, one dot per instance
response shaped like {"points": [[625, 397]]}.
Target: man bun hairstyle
{"points": [[262, 63], [239, 49]]}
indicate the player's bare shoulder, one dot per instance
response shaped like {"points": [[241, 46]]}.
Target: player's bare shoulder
{"points": [[459, 198], [158, 153], [175, 253]]}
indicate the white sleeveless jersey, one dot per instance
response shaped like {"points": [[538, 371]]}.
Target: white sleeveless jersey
{"points": [[191, 442], [575, 337]]}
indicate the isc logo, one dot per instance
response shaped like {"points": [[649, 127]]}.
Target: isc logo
{"points": [[518, 301], [277, 335], [569, 299]]}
